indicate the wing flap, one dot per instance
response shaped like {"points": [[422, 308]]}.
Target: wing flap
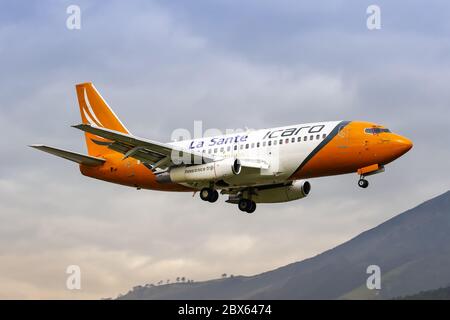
{"points": [[69, 155]]}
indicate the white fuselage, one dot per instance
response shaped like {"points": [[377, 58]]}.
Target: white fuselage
{"points": [[282, 148]]}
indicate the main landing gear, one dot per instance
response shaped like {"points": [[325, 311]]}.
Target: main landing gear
{"points": [[247, 205], [363, 183], [209, 194]]}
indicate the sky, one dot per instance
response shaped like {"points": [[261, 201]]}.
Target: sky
{"points": [[162, 65]]}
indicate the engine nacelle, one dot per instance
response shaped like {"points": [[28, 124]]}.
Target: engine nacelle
{"points": [[210, 171], [298, 190]]}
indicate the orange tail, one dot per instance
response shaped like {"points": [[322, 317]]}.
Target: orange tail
{"points": [[95, 111]]}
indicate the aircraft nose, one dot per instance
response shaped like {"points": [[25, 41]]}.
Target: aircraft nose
{"points": [[403, 144]]}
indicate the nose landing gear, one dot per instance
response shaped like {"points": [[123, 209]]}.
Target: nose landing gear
{"points": [[368, 171], [363, 183]]}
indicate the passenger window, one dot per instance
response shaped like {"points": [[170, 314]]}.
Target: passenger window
{"points": [[318, 136], [257, 144], [275, 142], [311, 137], [264, 144], [222, 149], [281, 141], [286, 141], [235, 147], [324, 136], [299, 139], [215, 150], [269, 143], [242, 146], [305, 138], [253, 145], [209, 151], [293, 140], [246, 146]]}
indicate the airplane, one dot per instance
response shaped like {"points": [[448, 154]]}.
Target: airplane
{"points": [[256, 166]]}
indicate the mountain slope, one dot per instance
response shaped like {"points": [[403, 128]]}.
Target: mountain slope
{"points": [[412, 250], [438, 294]]}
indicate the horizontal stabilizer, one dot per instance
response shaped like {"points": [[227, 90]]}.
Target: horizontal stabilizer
{"points": [[72, 156]]}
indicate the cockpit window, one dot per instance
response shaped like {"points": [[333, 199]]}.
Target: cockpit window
{"points": [[376, 130]]}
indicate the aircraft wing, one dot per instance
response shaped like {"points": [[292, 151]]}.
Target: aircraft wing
{"points": [[156, 154]]}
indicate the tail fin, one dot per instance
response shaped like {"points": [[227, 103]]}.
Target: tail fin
{"points": [[95, 111]]}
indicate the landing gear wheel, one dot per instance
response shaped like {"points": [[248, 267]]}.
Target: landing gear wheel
{"points": [[213, 196], [252, 207], [205, 194], [208, 194], [247, 205], [363, 183], [244, 204]]}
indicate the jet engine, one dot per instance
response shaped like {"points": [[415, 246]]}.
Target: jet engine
{"points": [[297, 190], [216, 170]]}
